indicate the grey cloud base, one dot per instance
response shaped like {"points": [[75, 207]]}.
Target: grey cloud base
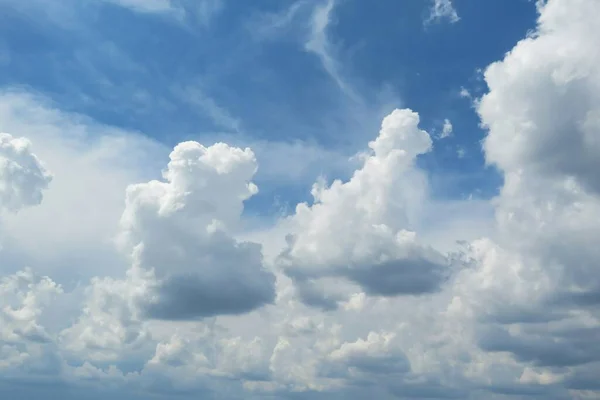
{"points": [[187, 297]]}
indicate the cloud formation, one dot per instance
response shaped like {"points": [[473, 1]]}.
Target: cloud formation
{"points": [[357, 302], [22, 177], [443, 9], [178, 231], [357, 229], [447, 129]]}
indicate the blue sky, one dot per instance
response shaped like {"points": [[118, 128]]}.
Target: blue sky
{"points": [[299, 199], [246, 72]]}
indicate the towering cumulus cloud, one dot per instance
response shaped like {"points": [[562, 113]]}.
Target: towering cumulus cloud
{"points": [[178, 229], [543, 116], [357, 230]]}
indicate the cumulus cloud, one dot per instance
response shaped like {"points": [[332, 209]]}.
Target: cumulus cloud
{"points": [[24, 297], [357, 229], [541, 279], [178, 230], [319, 44], [108, 326], [22, 177], [542, 132], [375, 354]]}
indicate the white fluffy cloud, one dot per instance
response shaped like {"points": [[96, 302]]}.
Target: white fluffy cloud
{"points": [[542, 115], [192, 308], [358, 229], [22, 176]]}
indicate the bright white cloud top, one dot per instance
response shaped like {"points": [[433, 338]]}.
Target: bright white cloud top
{"points": [[355, 301], [22, 176]]}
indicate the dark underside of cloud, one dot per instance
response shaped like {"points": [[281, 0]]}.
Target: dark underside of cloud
{"points": [[188, 297]]}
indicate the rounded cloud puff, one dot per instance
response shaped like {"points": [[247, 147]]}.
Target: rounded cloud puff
{"points": [[22, 177]]}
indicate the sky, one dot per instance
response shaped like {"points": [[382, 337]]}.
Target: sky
{"points": [[299, 199]]}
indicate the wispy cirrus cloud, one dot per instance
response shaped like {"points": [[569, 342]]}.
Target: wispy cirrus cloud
{"points": [[201, 10], [319, 44]]}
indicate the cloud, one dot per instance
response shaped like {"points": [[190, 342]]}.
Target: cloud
{"points": [[545, 141], [442, 9], [24, 297], [357, 229], [541, 115], [376, 353], [22, 177], [464, 93], [447, 129], [542, 121]]}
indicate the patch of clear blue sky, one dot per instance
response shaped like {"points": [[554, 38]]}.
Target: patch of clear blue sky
{"points": [[220, 77]]}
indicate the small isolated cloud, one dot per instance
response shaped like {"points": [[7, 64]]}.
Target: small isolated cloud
{"points": [[178, 231], [447, 129], [442, 9], [464, 93]]}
